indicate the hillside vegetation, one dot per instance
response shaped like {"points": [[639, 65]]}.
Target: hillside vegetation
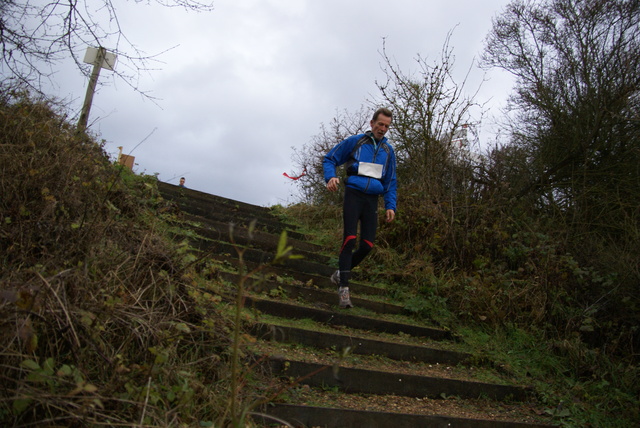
{"points": [[528, 252], [104, 320], [541, 231], [101, 321]]}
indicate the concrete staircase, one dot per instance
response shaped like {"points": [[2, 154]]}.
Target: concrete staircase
{"points": [[427, 369]]}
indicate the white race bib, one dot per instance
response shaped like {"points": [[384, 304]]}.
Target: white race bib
{"points": [[367, 169]]}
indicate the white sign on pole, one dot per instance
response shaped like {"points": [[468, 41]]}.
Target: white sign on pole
{"points": [[108, 63]]}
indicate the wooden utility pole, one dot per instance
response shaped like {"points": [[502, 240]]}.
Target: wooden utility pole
{"points": [[102, 59], [91, 89]]}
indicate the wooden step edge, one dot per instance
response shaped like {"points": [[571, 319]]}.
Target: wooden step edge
{"points": [[267, 243], [205, 212], [322, 282], [256, 255], [215, 212], [357, 345], [364, 381], [199, 194], [302, 244], [333, 417], [342, 317], [312, 296], [208, 240]]}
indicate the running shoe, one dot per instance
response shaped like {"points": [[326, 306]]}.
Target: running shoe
{"points": [[335, 277], [345, 299]]}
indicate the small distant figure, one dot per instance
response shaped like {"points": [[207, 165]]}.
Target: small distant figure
{"points": [[182, 182]]}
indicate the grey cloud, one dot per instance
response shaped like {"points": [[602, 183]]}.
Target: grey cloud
{"points": [[254, 78]]}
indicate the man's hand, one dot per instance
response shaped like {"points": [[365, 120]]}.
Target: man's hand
{"points": [[391, 214], [332, 185]]}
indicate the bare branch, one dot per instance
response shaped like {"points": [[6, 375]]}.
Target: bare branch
{"points": [[35, 37]]}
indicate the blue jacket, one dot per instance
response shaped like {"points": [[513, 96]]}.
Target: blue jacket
{"points": [[369, 151]]}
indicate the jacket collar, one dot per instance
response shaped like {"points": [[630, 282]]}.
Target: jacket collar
{"points": [[370, 134]]}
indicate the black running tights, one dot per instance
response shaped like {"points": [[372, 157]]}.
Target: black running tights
{"points": [[358, 208]]}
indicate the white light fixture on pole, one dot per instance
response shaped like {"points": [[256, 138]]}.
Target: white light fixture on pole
{"points": [[100, 58]]}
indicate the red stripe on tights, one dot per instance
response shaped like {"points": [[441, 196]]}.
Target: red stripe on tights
{"points": [[346, 240]]}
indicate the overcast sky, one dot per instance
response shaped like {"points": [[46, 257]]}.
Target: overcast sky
{"points": [[250, 80]]}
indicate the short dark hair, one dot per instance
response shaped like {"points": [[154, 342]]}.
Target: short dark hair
{"points": [[382, 111]]}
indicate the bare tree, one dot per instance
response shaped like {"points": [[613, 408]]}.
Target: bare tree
{"points": [[576, 105], [430, 114], [309, 157], [577, 65], [431, 110], [36, 35]]}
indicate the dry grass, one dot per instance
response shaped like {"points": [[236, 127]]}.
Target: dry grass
{"points": [[100, 321]]}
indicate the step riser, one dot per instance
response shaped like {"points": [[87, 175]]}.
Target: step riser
{"points": [[223, 216], [223, 229], [258, 242], [322, 282], [357, 345], [309, 416], [174, 192], [341, 318], [312, 296], [218, 210], [358, 381], [258, 256]]}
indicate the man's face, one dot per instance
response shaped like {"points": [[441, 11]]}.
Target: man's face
{"points": [[380, 126]]}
